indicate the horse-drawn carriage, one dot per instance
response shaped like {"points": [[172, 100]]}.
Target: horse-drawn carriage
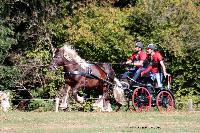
{"points": [[144, 94], [80, 74]]}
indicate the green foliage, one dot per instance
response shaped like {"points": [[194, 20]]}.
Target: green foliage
{"points": [[8, 76], [59, 33], [40, 105], [54, 81], [174, 27], [99, 33], [32, 52], [6, 40], [87, 107], [187, 82]]}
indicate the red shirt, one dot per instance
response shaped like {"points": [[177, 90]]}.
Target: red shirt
{"points": [[138, 56], [155, 59]]}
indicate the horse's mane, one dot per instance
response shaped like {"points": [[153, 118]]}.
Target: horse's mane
{"points": [[71, 54]]}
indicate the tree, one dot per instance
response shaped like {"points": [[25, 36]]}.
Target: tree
{"points": [[174, 27], [7, 75]]}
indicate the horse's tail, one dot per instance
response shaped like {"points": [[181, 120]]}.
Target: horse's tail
{"points": [[118, 92]]}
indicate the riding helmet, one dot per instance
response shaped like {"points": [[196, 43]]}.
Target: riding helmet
{"points": [[151, 46], [139, 44]]}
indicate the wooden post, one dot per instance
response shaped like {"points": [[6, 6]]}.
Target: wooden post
{"points": [[190, 108], [57, 104]]}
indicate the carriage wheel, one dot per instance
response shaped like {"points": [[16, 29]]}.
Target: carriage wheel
{"points": [[164, 101], [141, 99]]}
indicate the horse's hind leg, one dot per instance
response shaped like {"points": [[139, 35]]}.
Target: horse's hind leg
{"points": [[118, 106], [106, 101], [64, 103]]}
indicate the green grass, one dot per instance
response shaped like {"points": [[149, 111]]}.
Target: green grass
{"points": [[90, 122]]}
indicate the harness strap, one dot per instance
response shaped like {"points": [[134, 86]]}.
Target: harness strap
{"points": [[85, 74], [72, 73], [88, 75]]}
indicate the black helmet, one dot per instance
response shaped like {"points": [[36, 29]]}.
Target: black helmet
{"points": [[139, 44], [151, 46]]}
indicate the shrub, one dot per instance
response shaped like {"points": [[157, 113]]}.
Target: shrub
{"points": [[40, 105]]}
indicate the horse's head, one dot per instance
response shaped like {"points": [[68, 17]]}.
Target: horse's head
{"points": [[57, 59], [66, 55]]}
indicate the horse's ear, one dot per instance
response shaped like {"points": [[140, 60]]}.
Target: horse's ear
{"points": [[53, 50]]}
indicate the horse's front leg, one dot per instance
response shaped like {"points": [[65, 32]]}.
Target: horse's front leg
{"points": [[75, 94], [64, 103]]}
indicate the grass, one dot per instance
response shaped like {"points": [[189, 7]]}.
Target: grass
{"points": [[97, 122]]}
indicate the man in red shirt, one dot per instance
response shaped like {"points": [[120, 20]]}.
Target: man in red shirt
{"points": [[156, 65], [137, 59]]}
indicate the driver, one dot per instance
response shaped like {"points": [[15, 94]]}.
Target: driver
{"points": [[156, 65], [137, 59]]}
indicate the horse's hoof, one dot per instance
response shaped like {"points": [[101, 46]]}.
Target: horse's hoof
{"points": [[80, 99], [63, 106]]}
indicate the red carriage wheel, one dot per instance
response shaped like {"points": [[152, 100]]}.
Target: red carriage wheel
{"points": [[164, 101], [141, 99]]}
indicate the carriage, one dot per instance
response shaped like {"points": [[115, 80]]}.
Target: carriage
{"points": [[143, 93]]}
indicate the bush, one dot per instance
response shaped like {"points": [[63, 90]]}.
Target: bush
{"points": [[40, 105]]}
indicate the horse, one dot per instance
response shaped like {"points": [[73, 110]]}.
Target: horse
{"points": [[4, 99], [79, 74]]}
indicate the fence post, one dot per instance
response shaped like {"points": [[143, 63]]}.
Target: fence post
{"points": [[190, 108], [57, 104]]}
